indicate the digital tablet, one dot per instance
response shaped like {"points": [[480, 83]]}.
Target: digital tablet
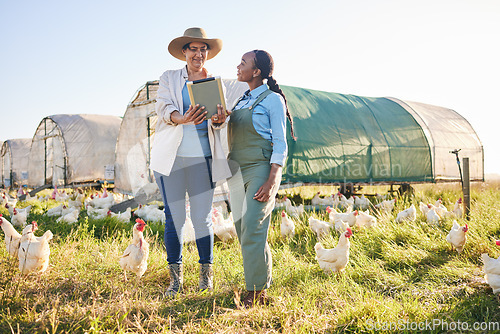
{"points": [[208, 93]]}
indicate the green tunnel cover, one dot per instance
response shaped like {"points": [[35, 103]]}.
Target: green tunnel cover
{"points": [[348, 138]]}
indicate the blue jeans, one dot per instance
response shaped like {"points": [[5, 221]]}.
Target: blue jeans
{"points": [[192, 175]]}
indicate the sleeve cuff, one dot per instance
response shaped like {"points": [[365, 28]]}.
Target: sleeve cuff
{"points": [[278, 159]]}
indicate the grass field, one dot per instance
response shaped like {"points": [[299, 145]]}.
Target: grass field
{"points": [[400, 276]]}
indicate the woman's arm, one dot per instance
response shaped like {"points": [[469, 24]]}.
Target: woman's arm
{"points": [[270, 187], [164, 101], [277, 120]]}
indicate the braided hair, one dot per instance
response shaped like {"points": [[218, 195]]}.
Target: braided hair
{"points": [[265, 63]]}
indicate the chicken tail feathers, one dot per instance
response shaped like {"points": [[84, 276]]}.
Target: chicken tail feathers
{"points": [[48, 235]]}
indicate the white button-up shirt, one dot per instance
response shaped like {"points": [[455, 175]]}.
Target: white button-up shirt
{"points": [[168, 135]]}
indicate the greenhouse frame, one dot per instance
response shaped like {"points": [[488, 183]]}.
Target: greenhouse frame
{"points": [[70, 149], [14, 164]]}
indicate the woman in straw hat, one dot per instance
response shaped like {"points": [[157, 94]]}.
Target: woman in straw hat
{"points": [[258, 147], [187, 156]]}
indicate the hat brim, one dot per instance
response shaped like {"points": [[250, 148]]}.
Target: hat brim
{"points": [[175, 46]]}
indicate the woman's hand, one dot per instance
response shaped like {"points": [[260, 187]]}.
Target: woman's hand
{"points": [[221, 115], [265, 191], [270, 187], [194, 114]]}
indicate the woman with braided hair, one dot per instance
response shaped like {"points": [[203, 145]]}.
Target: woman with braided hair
{"points": [[257, 152]]}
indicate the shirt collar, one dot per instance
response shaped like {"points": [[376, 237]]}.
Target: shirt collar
{"points": [[257, 91], [185, 73]]}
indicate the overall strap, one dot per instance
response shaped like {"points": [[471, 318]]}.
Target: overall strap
{"points": [[261, 97]]}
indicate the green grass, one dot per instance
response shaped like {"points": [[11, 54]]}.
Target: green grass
{"points": [[397, 273]]}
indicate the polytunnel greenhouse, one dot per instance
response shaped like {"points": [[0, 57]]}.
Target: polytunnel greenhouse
{"points": [[72, 149], [355, 139], [14, 163], [133, 147], [340, 139]]}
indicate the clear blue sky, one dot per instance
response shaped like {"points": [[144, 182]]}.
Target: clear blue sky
{"points": [[91, 56]]}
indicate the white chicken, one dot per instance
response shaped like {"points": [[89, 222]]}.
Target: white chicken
{"points": [[347, 204], [336, 200], [287, 227], [6, 199], [335, 259], [102, 202], [55, 211], [440, 209], [362, 202], [331, 213], [123, 217], [386, 205], [97, 214], [11, 208], [341, 226], [364, 219], [457, 210], [321, 228], [69, 217], [12, 237], [492, 271], [29, 197], [432, 216], [223, 228], [282, 203], [409, 214], [34, 251], [295, 211], [349, 218], [61, 196], [317, 200], [76, 201], [150, 213], [19, 217], [424, 208], [135, 256], [457, 236]]}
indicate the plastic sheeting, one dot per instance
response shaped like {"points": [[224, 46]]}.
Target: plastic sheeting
{"points": [[14, 163], [446, 131], [70, 149], [348, 138], [132, 173], [341, 139]]}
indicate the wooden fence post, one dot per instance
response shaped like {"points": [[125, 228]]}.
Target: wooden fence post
{"points": [[466, 187]]}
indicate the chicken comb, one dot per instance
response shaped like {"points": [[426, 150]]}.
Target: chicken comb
{"points": [[140, 221]]}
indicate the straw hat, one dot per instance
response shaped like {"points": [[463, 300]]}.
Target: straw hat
{"points": [[194, 35]]}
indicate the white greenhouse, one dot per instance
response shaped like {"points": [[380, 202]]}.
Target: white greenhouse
{"points": [[14, 163], [73, 149]]}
